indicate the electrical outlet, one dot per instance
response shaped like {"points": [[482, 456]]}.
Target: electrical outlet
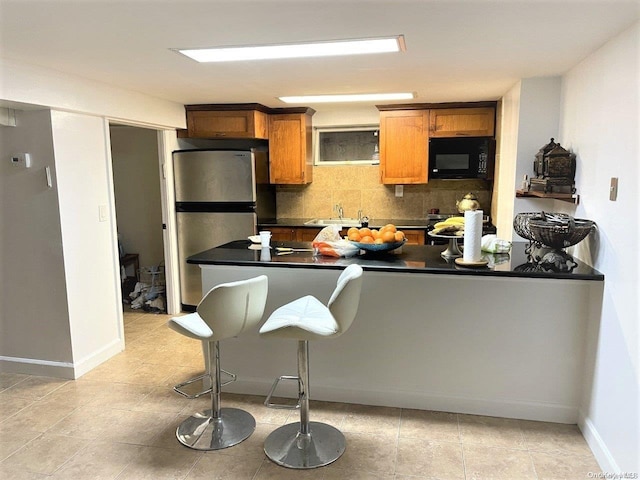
{"points": [[399, 190], [613, 189]]}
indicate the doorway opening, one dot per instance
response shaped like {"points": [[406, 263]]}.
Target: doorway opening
{"points": [[138, 204]]}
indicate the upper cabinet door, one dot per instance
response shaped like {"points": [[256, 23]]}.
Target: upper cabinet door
{"points": [[404, 145], [466, 122], [227, 124], [290, 159]]}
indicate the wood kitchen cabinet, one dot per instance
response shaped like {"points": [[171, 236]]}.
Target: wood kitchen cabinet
{"points": [[227, 121], [290, 154], [293, 234], [404, 146], [462, 122], [282, 234], [414, 237]]}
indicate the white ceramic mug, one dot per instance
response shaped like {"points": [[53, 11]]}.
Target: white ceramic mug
{"points": [[265, 238]]}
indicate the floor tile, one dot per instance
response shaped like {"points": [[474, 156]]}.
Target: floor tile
{"points": [[10, 379], [441, 460], [100, 460], [124, 426], [368, 419], [40, 415], [45, 454], [10, 405], [221, 466], [35, 387], [162, 399], [335, 473], [369, 453], [551, 466], [491, 431], [18, 473], [270, 471], [153, 463], [427, 425], [497, 463], [554, 438], [10, 444]]}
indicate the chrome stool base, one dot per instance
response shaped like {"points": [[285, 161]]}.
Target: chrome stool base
{"points": [[201, 432], [288, 447]]}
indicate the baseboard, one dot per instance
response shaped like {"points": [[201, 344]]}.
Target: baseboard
{"points": [[417, 400], [91, 361], [603, 456], [68, 370], [31, 366]]}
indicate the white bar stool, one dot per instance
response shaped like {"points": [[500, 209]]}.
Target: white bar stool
{"points": [[225, 311], [308, 444]]}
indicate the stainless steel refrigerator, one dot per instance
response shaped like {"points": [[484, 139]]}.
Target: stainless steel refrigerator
{"points": [[220, 197]]}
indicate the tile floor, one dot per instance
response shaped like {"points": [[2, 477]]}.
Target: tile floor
{"points": [[118, 422]]}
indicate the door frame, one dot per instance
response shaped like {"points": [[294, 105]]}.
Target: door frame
{"points": [[167, 142]]}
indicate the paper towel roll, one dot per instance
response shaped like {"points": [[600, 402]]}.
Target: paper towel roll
{"points": [[472, 236]]}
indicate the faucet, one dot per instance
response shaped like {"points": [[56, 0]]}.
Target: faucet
{"points": [[360, 215], [339, 211]]}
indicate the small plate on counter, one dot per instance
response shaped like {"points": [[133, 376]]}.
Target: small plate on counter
{"points": [[254, 238]]}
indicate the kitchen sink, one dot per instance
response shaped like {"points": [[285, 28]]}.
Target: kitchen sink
{"points": [[345, 222]]}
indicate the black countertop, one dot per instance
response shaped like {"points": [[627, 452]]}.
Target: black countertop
{"points": [[373, 223], [409, 259]]}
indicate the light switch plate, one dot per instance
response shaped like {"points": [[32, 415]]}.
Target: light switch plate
{"points": [[21, 160], [103, 213], [613, 189]]}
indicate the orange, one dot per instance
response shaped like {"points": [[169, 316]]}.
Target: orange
{"points": [[391, 227], [388, 236], [399, 236], [367, 239], [351, 230], [378, 241], [364, 232], [354, 236], [375, 233]]}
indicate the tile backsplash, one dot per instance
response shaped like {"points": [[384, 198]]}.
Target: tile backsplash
{"points": [[358, 187]]}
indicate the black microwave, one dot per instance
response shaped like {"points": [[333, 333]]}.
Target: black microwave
{"points": [[471, 157]]}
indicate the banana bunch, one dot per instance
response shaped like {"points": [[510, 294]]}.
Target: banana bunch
{"points": [[450, 226]]}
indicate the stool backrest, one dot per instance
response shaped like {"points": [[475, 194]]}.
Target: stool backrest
{"points": [[230, 308], [345, 299]]}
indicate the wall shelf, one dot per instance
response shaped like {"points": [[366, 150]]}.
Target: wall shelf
{"points": [[565, 197]]}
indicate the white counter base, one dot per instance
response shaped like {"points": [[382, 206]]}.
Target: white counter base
{"points": [[507, 347]]}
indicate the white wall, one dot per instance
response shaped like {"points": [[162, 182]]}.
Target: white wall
{"points": [[81, 145], [33, 85], [134, 153], [599, 122], [530, 116], [60, 302], [34, 324]]}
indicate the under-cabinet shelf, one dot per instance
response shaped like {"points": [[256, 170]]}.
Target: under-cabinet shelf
{"points": [[565, 197]]}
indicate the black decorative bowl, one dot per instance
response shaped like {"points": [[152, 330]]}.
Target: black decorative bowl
{"points": [[560, 233], [521, 224]]}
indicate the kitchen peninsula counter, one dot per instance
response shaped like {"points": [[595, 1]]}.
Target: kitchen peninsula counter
{"points": [[501, 341], [423, 259]]}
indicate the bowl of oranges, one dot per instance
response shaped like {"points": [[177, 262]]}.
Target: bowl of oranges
{"points": [[385, 239]]}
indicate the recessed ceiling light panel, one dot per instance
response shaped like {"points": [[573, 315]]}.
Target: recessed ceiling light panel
{"points": [[360, 97], [296, 50]]}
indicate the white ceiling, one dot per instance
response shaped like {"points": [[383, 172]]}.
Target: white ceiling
{"points": [[456, 50]]}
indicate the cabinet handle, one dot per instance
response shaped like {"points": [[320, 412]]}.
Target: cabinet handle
{"points": [[462, 134], [219, 134]]}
